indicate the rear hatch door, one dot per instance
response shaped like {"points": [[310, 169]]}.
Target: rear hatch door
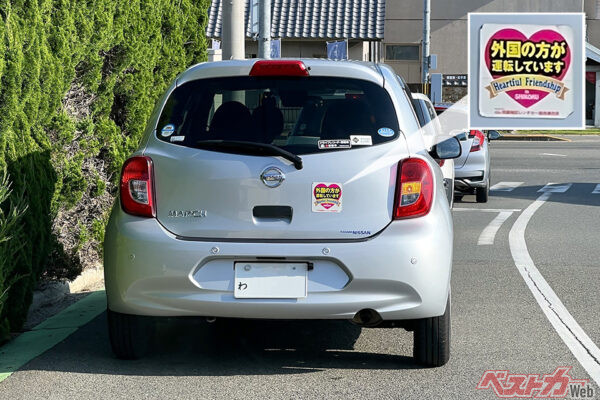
{"points": [[345, 131]]}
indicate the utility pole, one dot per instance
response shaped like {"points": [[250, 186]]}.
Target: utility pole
{"points": [[426, 34], [233, 29], [264, 29]]}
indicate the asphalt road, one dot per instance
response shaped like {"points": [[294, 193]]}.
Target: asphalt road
{"points": [[497, 324]]}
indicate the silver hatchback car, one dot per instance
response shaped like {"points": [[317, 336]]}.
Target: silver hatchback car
{"points": [[472, 168], [283, 189]]}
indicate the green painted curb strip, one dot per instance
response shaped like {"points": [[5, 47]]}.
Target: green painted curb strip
{"points": [[49, 333], [77, 314]]}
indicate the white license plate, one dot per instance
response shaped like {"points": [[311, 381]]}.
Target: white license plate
{"points": [[270, 280]]}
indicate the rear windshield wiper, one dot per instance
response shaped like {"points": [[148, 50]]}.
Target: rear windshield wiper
{"points": [[252, 148]]}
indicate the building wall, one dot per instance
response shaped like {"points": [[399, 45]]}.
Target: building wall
{"points": [[404, 25], [308, 49]]}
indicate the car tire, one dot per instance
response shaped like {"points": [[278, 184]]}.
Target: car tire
{"points": [[482, 194], [130, 335], [431, 346]]}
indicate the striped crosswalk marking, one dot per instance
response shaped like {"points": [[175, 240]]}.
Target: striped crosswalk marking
{"points": [[506, 186], [555, 188], [596, 189]]}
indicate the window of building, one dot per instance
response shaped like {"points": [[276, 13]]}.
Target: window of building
{"points": [[402, 52]]}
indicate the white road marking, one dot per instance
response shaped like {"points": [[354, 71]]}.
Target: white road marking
{"points": [[582, 347], [489, 233], [596, 189], [528, 170], [555, 188], [493, 210], [506, 186], [552, 154]]}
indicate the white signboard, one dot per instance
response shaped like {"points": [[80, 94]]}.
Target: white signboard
{"points": [[526, 71]]}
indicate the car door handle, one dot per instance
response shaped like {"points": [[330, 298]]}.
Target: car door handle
{"points": [[273, 213]]}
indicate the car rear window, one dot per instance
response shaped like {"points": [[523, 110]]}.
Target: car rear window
{"points": [[300, 115]]}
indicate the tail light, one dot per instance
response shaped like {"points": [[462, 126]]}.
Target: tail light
{"points": [[478, 139], [441, 162], [137, 187], [279, 68], [414, 189]]}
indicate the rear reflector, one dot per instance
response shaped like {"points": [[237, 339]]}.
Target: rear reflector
{"points": [[414, 189], [137, 187], [279, 68]]}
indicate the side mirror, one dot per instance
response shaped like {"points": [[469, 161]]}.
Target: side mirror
{"points": [[493, 135], [449, 148]]}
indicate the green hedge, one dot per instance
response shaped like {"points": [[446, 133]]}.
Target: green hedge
{"points": [[10, 227], [78, 80]]}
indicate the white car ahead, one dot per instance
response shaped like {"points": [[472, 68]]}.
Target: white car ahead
{"points": [[472, 168], [432, 130]]}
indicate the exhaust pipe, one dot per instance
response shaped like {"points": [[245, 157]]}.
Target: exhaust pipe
{"points": [[211, 320], [367, 317]]}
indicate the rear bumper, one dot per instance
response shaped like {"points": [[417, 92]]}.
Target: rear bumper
{"points": [[469, 183], [474, 173], [402, 273]]}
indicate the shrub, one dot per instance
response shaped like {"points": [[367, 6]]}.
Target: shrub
{"points": [[10, 214], [78, 80]]}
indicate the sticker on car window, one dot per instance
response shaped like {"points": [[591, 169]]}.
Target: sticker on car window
{"points": [[167, 130], [361, 140], [386, 132], [334, 144], [326, 197], [177, 138]]}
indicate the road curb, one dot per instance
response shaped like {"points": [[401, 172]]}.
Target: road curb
{"points": [[48, 293], [53, 292], [534, 138]]}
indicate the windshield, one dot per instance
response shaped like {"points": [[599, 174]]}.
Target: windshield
{"points": [[299, 115]]}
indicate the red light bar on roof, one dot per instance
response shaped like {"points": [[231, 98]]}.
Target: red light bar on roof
{"points": [[279, 68]]}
